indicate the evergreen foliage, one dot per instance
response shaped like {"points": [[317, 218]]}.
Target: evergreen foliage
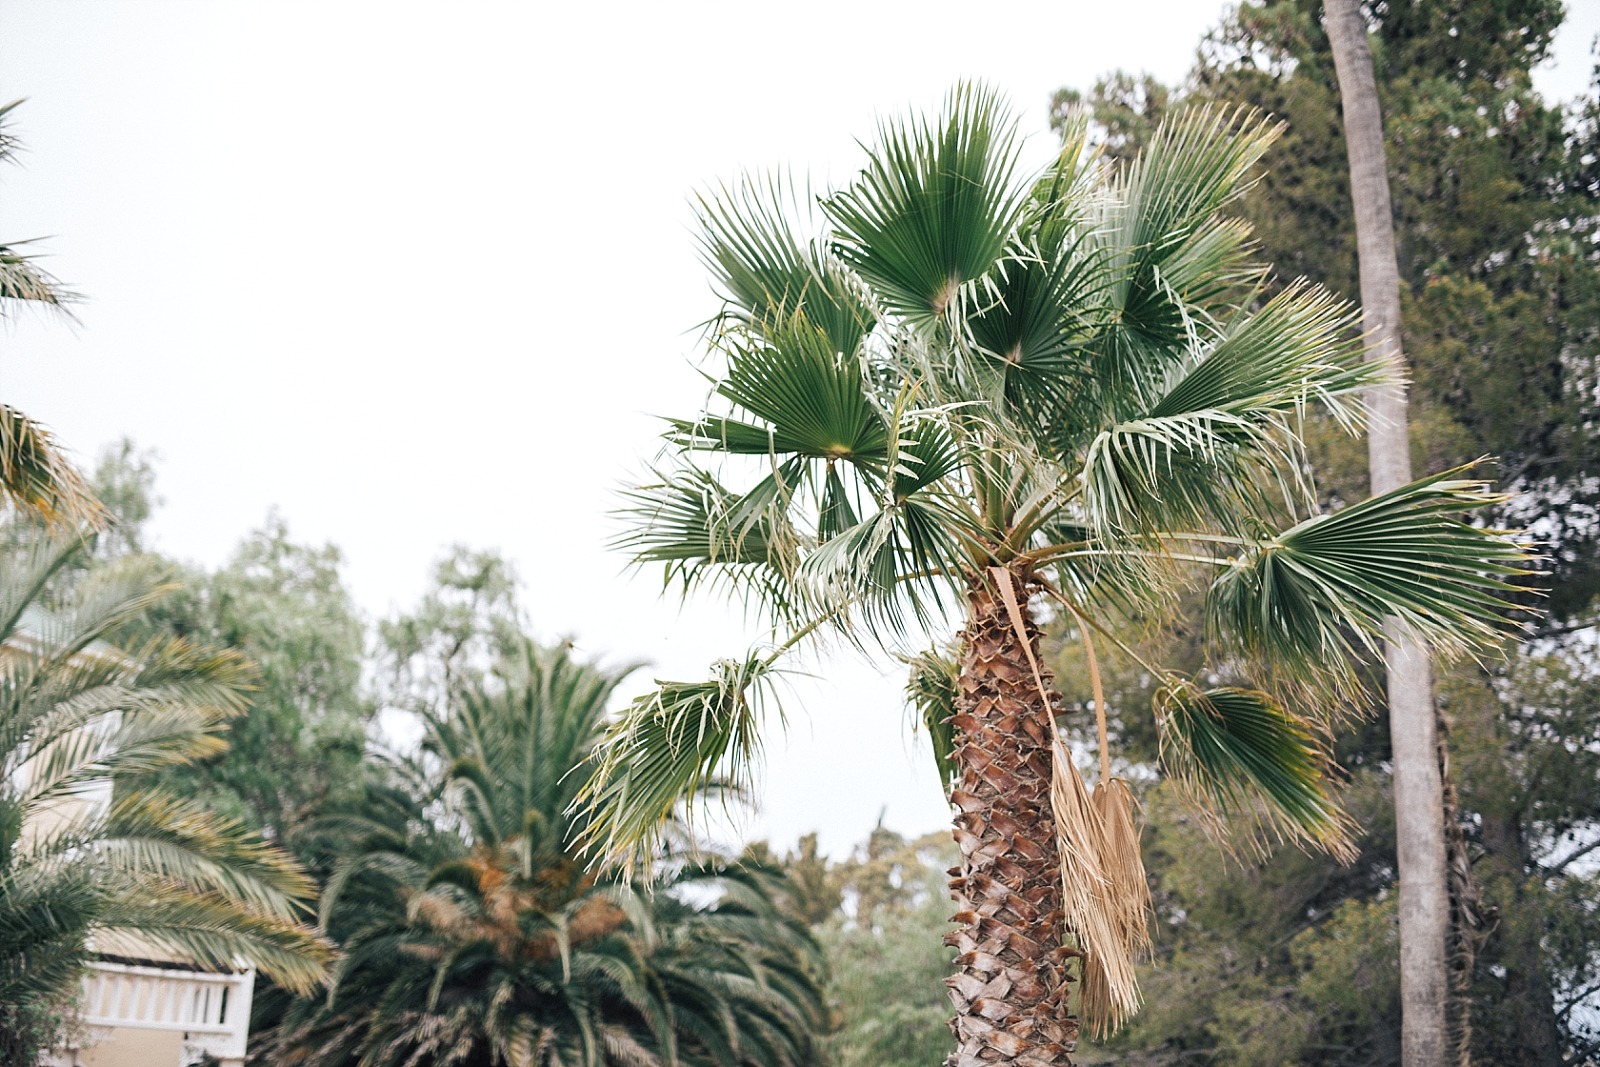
{"points": [[473, 934], [1494, 191]]}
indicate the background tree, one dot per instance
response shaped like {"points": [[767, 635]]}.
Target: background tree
{"points": [[284, 606], [90, 860], [1419, 798], [1493, 192], [886, 952], [473, 933]]}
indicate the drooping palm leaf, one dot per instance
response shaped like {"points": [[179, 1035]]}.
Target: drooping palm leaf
{"points": [[931, 694], [36, 476], [701, 530], [213, 931], [23, 280], [1319, 594], [664, 749], [1245, 754]]}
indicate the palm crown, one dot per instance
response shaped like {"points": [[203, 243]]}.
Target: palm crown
{"points": [[962, 388]]}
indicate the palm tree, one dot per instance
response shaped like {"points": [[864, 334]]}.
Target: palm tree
{"points": [[473, 934], [956, 391], [35, 474], [88, 865]]}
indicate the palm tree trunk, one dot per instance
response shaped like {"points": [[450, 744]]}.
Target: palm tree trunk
{"points": [[1418, 785], [1011, 983]]}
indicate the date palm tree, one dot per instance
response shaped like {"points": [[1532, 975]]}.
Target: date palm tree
{"points": [[35, 474], [951, 391], [474, 935], [87, 864]]}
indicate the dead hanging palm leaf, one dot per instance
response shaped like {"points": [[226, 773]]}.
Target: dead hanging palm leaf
{"points": [[1109, 991], [1104, 894]]}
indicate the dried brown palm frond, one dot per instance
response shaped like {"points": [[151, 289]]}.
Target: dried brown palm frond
{"points": [[1106, 1005], [1092, 901]]}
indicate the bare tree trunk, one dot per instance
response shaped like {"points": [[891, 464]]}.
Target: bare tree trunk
{"points": [[1418, 786], [1011, 983]]}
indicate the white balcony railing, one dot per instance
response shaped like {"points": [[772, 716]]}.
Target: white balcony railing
{"points": [[213, 1010]]}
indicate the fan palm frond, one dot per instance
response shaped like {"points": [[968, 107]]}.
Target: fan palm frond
{"points": [[1319, 594], [1246, 755], [935, 206], [666, 747], [751, 241]]}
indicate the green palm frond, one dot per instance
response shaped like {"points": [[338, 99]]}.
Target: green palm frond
{"points": [[212, 930], [1176, 261], [664, 748], [935, 206], [1174, 471], [811, 399], [931, 693], [1032, 324], [706, 534], [158, 837], [73, 753], [749, 240], [1224, 431], [1319, 594], [87, 858], [1299, 348], [35, 474], [1166, 211], [1248, 757], [23, 280], [898, 566]]}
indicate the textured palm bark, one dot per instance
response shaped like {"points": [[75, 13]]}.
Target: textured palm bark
{"points": [[1011, 985]]}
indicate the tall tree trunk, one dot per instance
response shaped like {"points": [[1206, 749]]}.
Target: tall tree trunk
{"points": [[1418, 787], [1011, 983]]}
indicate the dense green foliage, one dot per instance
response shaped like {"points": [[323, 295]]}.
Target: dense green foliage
{"points": [[474, 935], [885, 946], [1286, 958]]}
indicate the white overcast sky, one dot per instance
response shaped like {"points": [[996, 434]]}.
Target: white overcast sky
{"points": [[422, 273]]}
